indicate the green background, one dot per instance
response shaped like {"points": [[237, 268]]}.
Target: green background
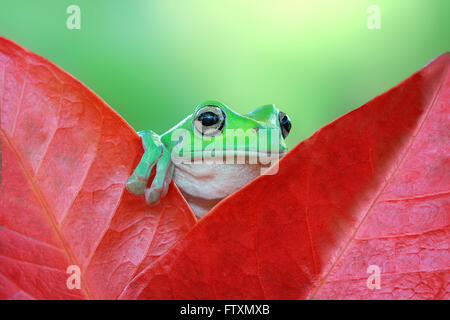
{"points": [[154, 61]]}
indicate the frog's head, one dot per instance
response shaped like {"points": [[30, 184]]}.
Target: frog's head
{"points": [[214, 128]]}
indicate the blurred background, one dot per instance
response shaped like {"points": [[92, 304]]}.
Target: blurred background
{"points": [[154, 61]]}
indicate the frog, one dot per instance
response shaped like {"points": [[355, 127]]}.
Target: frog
{"points": [[210, 154]]}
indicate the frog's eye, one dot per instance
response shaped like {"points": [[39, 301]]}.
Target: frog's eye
{"points": [[285, 124], [209, 121]]}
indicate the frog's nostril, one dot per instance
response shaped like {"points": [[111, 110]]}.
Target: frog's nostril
{"points": [[285, 124]]}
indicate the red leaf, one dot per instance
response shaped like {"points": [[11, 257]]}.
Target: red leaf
{"points": [[371, 188], [66, 157]]}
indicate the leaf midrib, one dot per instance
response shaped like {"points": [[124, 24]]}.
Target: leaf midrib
{"points": [[402, 156], [45, 208]]}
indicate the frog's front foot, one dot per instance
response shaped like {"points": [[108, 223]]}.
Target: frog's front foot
{"points": [[155, 154], [136, 184]]}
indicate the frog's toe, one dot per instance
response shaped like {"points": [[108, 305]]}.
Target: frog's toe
{"points": [[136, 185], [152, 196], [167, 180], [165, 188]]}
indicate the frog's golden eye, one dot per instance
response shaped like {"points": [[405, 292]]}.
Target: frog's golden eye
{"points": [[209, 121]]}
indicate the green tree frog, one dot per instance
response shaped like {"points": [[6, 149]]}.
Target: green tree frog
{"points": [[210, 154]]}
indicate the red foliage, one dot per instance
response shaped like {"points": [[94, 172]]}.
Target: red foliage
{"points": [[371, 188], [66, 158]]}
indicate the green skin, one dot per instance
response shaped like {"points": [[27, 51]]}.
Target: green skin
{"points": [[159, 150]]}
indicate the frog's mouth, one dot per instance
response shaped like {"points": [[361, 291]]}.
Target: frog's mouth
{"points": [[230, 156]]}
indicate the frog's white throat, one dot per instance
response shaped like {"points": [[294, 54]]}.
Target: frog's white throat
{"points": [[204, 184]]}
